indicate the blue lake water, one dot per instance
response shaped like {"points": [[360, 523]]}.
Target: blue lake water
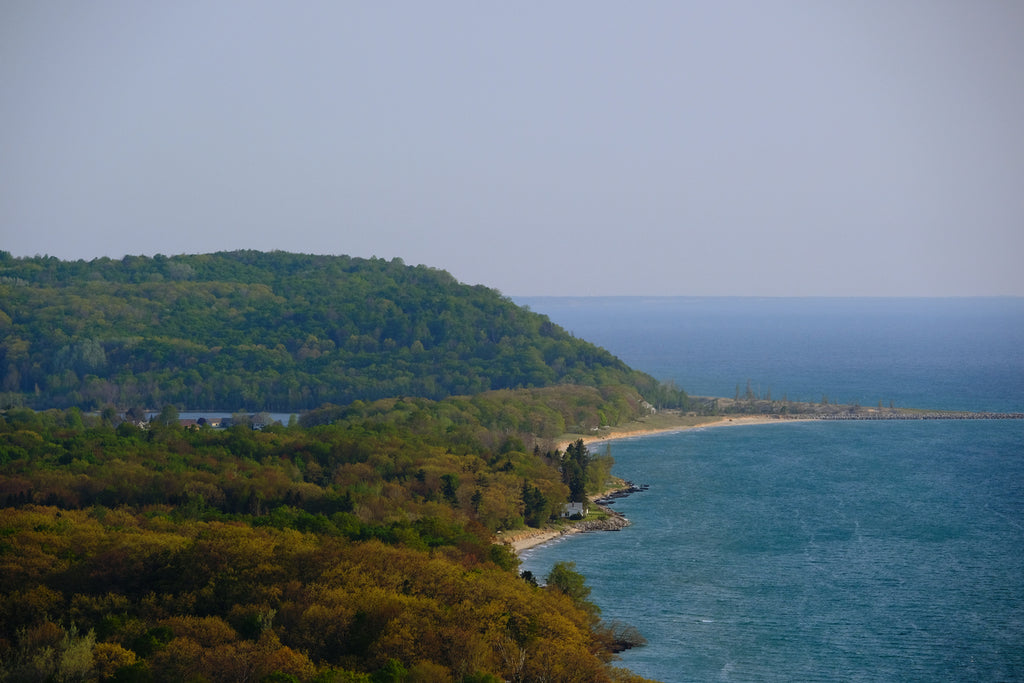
{"points": [[956, 354], [855, 551]]}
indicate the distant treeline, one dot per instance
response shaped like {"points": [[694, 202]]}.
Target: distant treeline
{"points": [[274, 331]]}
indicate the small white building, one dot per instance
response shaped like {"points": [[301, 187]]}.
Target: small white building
{"points": [[571, 509]]}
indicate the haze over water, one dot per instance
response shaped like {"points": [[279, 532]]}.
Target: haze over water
{"points": [[868, 551], [954, 354]]}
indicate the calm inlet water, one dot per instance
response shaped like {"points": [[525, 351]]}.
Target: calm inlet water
{"points": [[859, 551]]}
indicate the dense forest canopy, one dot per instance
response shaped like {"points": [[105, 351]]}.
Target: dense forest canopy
{"points": [[272, 331], [355, 551], [353, 545]]}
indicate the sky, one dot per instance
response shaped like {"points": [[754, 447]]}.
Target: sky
{"points": [[591, 147]]}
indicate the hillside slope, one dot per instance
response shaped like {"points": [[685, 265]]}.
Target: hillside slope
{"points": [[271, 331]]}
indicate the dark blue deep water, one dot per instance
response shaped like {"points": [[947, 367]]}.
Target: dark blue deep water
{"points": [[852, 551], [956, 354]]}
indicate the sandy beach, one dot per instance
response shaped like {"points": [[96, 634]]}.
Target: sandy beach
{"points": [[635, 429], [523, 539]]}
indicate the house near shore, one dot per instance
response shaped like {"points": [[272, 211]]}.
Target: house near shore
{"points": [[214, 422], [573, 509]]}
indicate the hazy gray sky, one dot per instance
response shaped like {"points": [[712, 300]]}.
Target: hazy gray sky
{"points": [[717, 148]]}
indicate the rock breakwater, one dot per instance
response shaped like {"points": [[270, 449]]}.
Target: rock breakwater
{"points": [[613, 522]]}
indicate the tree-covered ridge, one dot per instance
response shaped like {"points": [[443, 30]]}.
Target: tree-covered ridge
{"points": [[531, 414], [270, 331], [358, 550]]}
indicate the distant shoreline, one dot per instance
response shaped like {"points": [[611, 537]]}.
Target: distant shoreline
{"points": [[524, 539], [634, 429], [859, 415]]}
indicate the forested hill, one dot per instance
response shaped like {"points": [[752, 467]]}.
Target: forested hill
{"points": [[270, 331]]}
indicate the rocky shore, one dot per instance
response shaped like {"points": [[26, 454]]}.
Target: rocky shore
{"points": [[612, 521], [528, 538]]}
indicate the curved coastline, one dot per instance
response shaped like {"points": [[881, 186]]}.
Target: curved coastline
{"points": [[524, 539], [636, 429]]}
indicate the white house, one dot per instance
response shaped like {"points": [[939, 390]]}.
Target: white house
{"points": [[571, 509]]}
